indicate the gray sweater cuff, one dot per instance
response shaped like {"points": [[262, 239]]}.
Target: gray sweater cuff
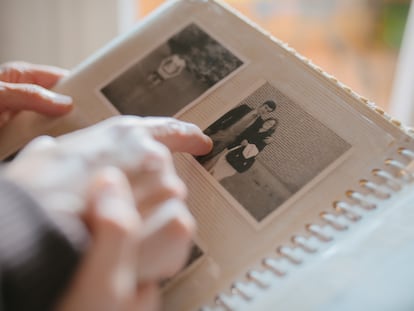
{"points": [[39, 252]]}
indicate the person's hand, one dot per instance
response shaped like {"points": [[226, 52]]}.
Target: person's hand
{"points": [[128, 256], [57, 171], [25, 86]]}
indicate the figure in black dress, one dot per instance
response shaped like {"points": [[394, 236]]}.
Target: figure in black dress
{"points": [[242, 153], [227, 129]]}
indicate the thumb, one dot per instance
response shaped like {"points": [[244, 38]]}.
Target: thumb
{"points": [[107, 277], [17, 97]]}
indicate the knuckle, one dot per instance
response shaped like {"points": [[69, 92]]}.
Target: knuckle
{"points": [[156, 155], [7, 66], [41, 143], [174, 187], [169, 126], [37, 93], [181, 224], [181, 129], [159, 163], [11, 71], [181, 227], [44, 139], [14, 64], [120, 230], [122, 126], [122, 121]]}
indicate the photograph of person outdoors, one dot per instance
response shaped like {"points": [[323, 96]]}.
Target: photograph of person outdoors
{"points": [[169, 67], [228, 129], [172, 75]]}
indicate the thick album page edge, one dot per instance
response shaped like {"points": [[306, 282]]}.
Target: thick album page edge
{"points": [[376, 255], [307, 203], [363, 103]]}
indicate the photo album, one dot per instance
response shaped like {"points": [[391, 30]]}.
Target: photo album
{"points": [[303, 202]]}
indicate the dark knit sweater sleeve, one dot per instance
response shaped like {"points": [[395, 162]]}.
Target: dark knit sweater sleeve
{"points": [[39, 251]]}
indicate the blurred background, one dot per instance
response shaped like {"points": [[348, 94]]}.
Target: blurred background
{"points": [[358, 41]]}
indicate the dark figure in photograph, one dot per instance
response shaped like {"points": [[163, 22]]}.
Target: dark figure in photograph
{"points": [[169, 67], [226, 130], [241, 155], [172, 75]]}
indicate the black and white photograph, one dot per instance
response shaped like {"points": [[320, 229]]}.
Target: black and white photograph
{"points": [[267, 148], [173, 75]]}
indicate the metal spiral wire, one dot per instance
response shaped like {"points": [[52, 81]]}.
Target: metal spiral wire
{"points": [[382, 185]]}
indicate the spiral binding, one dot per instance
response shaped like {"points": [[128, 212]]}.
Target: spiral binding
{"points": [[383, 185]]}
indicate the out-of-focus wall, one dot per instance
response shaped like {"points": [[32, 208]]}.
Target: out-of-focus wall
{"points": [[355, 40], [402, 97], [60, 32]]}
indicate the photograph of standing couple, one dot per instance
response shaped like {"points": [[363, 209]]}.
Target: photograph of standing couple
{"points": [[238, 137], [266, 149]]}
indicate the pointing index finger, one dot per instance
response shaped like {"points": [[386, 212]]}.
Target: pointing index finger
{"points": [[179, 136]]}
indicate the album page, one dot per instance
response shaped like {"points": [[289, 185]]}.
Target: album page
{"points": [[368, 270], [288, 138]]}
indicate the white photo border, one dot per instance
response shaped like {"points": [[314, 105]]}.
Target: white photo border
{"points": [[157, 43], [270, 218]]}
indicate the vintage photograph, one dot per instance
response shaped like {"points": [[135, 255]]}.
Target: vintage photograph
{"points": [[267, 148], [173, 75]]}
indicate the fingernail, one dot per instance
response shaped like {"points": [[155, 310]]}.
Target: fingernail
{"points": [[207, 139], [63, 99], [57, 98]]}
